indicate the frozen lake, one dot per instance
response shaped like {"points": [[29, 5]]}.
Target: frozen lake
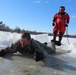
{"points": [[56, 64]]}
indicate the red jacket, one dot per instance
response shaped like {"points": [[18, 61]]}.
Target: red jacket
{"points": [[60, 21]]}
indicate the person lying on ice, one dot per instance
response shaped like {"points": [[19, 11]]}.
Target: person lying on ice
{"points": [[60, 22], [26, 44]]}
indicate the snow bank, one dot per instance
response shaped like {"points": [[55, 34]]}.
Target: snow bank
{"points": [[6, 38]]}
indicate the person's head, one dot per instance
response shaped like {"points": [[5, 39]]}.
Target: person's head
{"points": [[62, 9], [25, 39]]}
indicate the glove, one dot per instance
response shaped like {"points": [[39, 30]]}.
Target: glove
{"points": [[66, 25], [38, 56], [2, 53], [53, 24]]}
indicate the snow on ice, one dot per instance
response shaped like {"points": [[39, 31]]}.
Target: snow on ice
{"points": [[7, 38]]}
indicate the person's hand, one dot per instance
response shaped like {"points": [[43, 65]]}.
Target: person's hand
{"points": [[2, 53], [53, 24], [38, 56], [66, 25]]}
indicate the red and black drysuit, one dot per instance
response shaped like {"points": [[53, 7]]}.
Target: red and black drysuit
{"points": [[60, 21]]}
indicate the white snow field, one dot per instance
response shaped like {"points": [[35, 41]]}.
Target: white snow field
{"points": [[61, 63]]}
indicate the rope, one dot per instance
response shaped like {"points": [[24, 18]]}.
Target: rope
{"points": [[67, 35]]}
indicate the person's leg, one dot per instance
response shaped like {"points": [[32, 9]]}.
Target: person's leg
{"points": [[54, 35], [61, 33], [45, 43], [60, 36]]}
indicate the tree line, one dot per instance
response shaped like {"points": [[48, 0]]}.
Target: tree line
{"points": [[3, 27]]}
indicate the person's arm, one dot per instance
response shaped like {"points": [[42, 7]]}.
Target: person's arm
{"points": [[54, 20], [37, 46], [9, 50], [68, 19]]}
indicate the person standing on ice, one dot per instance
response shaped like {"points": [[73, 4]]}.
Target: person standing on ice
{"points": [[60, 22]]}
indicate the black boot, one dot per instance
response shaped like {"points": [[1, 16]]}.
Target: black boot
{"points": [[54, 37]]}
